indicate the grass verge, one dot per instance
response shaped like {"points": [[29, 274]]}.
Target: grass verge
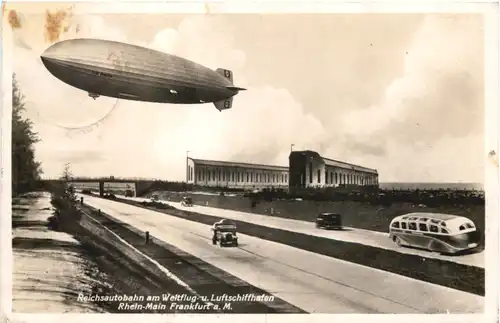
{"points": [[125, 275]]}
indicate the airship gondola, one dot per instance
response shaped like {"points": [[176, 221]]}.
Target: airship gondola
{"points": [[124, 71]]}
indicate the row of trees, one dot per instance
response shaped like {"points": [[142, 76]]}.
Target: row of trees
{"points": [[26, 170], [431, 198]]}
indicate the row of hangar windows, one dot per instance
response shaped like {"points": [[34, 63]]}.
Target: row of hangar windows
{"points": [[228, 175], [339, 178]]}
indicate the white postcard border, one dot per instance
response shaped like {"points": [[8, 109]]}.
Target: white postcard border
{"points": [[490, 11]]}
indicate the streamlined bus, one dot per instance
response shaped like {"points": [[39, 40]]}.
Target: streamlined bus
{"points": [[443, 233]]}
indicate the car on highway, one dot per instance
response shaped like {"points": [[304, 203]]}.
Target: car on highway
{"points": [[328, 220], [437, 232], [187, 201], [110, 196], [224, 232]]}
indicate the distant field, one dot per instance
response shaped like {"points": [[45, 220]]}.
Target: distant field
{"points": [[355, 214], [431, 186]]}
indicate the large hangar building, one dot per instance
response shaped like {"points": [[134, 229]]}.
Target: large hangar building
{"points": [[310, 170], [307, 169], [212, 173]]}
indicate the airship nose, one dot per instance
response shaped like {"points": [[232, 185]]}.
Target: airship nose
{"points": [[47, 58], [48, 61], [47, 54], [44, 57]]}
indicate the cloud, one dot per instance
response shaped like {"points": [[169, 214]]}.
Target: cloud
{"points": [[150, 140], [442, 84], [443, 159], [77, 157]]}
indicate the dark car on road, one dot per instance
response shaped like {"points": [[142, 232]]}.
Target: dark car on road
{"points": [[329, 220], [187, 201], [224, 232]]}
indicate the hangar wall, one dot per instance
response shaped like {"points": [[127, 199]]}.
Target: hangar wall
{"points": [[212, 173]]}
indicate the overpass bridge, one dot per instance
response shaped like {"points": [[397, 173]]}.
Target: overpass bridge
{"points": [[137, 185]]}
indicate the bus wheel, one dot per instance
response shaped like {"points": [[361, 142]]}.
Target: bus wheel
{"points": [[397, 241]]}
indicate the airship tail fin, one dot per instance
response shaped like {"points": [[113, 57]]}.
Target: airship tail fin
{"points": [[224, 104], [226, 73]]}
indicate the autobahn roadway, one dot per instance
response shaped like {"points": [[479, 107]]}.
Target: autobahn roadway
{"points": [[366, 237], [313, 282]]}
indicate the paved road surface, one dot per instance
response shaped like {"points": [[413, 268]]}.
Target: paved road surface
{"points": [[313, 282], [366, 237]]}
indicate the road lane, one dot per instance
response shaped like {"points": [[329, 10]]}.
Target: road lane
{"points": [[366, 237], [313, 282]]}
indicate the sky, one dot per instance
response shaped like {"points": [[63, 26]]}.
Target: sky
{"points": [[402, 93]]}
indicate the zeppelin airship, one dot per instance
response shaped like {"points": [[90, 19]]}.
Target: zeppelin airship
{"points": [[124, 71]]}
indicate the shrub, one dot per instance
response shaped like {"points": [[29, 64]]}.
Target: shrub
{"points": [[64, 200]]}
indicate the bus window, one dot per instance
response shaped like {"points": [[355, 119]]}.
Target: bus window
{"points": [[462, 227], [395, 225], [422, 227], [434, 229], [412, 226], [469, 226], [443, 230], [403, 225]]}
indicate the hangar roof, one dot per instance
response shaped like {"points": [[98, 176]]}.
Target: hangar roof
{"points": [[335, 163], [217, 163]]}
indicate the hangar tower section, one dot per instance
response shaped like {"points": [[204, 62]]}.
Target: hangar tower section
{"points": [[308, 169]]}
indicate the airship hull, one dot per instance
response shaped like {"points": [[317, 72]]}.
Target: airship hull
{"points": [[134, 73]]}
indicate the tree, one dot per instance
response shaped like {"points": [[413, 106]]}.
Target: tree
{"points": [[26, 170], [64, 200], [69, 189], [63, 192]]}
